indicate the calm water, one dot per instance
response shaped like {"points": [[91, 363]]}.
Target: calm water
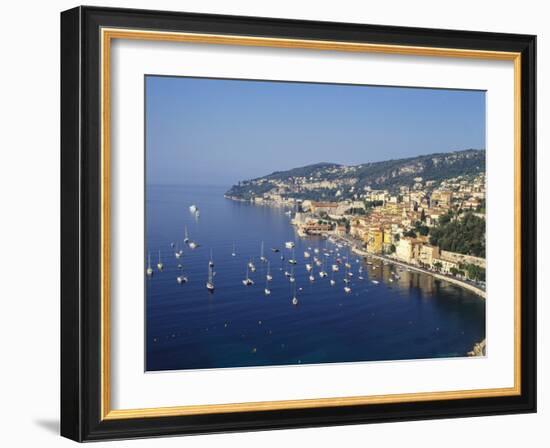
{"points": [[415, 316]]}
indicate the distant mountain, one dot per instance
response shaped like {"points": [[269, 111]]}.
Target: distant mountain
{"points": [[333, 180]]}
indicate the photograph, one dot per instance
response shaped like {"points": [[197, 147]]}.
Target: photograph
{"points": [[299, 223]]}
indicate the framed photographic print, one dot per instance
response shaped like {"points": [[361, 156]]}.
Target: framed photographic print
{"points": [[273, 223]]}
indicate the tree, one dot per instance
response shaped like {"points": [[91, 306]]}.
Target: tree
{"points": [[423, 216], [410, 233], [464, 236], [421, 228], [437, 266], [475, 272]]}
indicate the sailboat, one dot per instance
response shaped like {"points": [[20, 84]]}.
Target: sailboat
{"points": [[193, 208], [178, 252], [293, 259], [308, 267], [311, 276], [193, 245], [233, 254], [210, 282], [247, 280], [347, 289], [267, 291], [291, 279], [332, 281], [251, 265], [181, 278], [159, 264], [268, 277], [186, 237], [307, 254], [294, 298], [262, 258], [211, 261], [322, 272], [149, 268]]}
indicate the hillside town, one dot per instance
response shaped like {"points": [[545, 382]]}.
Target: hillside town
{"points": [[435, 226]]}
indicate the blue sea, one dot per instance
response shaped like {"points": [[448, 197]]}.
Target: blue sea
{"points": [[408, 316]]}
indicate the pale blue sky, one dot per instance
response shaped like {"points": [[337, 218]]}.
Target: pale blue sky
{"points": [[217, 132]]}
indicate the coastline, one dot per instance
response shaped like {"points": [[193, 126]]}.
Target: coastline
{"points": [[479, 292]]}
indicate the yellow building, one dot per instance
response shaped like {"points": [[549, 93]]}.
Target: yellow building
{"points": [[408, 249], [375, 240], [427, 255]]}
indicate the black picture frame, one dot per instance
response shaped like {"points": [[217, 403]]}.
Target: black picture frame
{"points": [[81, 224]]}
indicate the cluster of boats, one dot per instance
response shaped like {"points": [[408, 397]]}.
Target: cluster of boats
{"points": [[178, 253], [318, 262]]}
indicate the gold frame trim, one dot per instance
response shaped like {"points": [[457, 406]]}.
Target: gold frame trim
{"points": [[107, 35]]}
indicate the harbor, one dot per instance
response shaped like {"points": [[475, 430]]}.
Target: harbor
{"points": [[266, 307]]}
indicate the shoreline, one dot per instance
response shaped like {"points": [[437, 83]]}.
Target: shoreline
{"points": [[478, 291]]}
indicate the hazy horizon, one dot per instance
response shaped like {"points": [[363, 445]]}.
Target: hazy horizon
{"points": [[216, 132]]}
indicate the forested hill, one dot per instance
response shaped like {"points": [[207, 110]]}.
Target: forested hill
{"points": [[390, 174]]}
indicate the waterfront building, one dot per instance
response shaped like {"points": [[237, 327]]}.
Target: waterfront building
{"points": [[375, 240]]}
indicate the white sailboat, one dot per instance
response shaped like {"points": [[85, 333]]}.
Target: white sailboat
{"points": [[149, 268], [267, 291], [294, 298], [332, 281], [293, 259], [269, 277], [182, 279], [311, 276], [211, 261], [247, 280], [262, 258], [289, 244], [307, 254], [193, 208], [178, 252], [251, 265], [234, 253], [308, 267], [291, 279], [160, 265], [186, 236], [347, 289], [322, 272], [210, 281]]}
